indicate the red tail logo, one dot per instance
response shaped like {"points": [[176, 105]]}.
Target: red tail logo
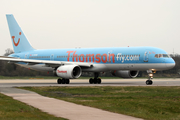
{"points": [[16, 44]]}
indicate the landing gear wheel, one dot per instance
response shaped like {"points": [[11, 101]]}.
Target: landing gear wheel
{"points": [[149, 82], [91, 81], [95, 81], [59, 81], [63, 81], [67, 81], [99, 81]]}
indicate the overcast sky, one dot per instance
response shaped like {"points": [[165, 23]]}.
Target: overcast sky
{"points": [[50, 24]]}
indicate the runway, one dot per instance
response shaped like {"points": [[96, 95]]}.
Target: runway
{"points": [[85, 82]]}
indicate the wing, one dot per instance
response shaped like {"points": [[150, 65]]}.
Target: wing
{"points": [[47, 62]]}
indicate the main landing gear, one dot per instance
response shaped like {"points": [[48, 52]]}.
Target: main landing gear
{"points": [[96, 80], [63, 81], [150, 74]]}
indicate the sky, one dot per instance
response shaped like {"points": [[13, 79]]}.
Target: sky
{"points": [[54, 24]]}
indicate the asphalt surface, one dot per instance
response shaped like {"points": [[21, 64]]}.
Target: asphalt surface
{"points": [[85, 82]]}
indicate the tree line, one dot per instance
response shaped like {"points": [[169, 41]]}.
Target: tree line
{"points": [[11, 69]]}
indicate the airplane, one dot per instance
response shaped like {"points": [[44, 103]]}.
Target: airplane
{"points": [[124, 62]]}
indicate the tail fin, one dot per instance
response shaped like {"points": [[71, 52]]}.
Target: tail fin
{"points": [[19, 40]]}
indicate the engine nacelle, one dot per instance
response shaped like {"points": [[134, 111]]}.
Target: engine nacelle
{"points": [[125, 73], [69, 71]]}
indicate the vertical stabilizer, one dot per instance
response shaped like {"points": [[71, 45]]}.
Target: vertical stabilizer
{"points": [[19, 40]]}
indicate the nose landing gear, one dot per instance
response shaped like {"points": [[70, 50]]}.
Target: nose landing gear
{"points": [[150, 74]]}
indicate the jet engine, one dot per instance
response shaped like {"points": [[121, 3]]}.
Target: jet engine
{"points": [[69, 71], [125, 73]]}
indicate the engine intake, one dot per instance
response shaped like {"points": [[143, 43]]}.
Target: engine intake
{"points": [[69, 71], [125, 73]]}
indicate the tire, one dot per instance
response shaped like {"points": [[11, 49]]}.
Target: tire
{"points": [[59, 81], [99, 81], [149, 82], [67, 81], [91, 81], [63, 81]]}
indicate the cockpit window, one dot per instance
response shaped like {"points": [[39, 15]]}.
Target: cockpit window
{"points": [[165, 55], [156, 55], [162, 55]]}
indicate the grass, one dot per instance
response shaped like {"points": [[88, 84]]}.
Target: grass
{"points": [[11, 109], [151, 103]]}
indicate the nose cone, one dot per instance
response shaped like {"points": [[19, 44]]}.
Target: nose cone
{"points": [[170, 63]]}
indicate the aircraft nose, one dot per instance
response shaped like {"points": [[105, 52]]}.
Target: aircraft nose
{"points": [[170, 64]]}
